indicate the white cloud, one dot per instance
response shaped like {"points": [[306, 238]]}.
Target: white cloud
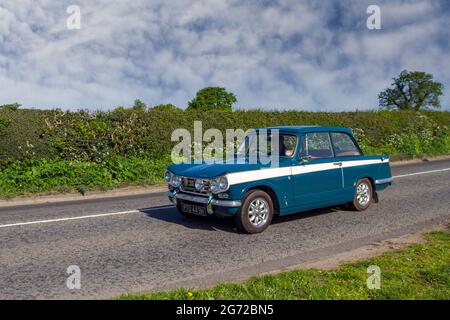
{"points": [[314, 55]]}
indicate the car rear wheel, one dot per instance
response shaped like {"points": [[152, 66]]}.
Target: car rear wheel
{"points": [[256, 212], [363, 195]]}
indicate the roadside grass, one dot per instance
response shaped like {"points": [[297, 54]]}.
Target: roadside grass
{"points": [[46, 175], [420, 271]]}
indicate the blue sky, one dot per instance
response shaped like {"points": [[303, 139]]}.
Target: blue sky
{"points": [[306, 55]]}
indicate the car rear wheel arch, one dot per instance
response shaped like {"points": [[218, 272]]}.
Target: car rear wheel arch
{"points": [[372, 182], [373, 196]]}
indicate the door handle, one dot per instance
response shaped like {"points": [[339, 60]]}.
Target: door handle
{"points": [[338, 164]]}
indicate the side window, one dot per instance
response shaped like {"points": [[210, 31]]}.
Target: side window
{"points": [[344, 145], [287, 145], [317, 145]]}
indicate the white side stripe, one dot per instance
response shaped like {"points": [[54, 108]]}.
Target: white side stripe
{"points": [[355, 163], [246, 176], [254, 175], [313, 168]]}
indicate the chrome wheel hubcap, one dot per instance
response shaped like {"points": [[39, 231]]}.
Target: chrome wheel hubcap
{"points": [[258, 212], [363, 194]]}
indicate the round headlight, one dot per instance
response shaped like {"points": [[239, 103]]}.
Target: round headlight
{"points": [[176, 181], [223, 183], [219, 184], [168, 176], [199, 184], [214, 186]]}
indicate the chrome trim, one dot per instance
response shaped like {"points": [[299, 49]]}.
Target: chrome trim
{"points": [[196, 193], [226, 203], [170, 193], [383, 181], [172, 196], [203, 200], [192, 198]]}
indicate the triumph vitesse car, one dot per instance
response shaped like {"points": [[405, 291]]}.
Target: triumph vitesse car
{"points": [[318, 167]]}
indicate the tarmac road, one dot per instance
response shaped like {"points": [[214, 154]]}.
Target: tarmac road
{"points": [[140, 243]]}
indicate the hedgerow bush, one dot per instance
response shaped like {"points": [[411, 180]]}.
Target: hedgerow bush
{"points": [[43, 175], [93, 136], [3, 124], [42, 150]]}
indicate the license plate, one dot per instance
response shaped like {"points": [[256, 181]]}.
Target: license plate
{"points": [[193, 209]]}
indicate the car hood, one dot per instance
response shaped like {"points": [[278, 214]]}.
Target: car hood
{"points": [[210, 170]]}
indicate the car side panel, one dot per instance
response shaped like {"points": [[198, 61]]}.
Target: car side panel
{"points": [[281, 186], [313, 188], [352, 173], [286, 188]]}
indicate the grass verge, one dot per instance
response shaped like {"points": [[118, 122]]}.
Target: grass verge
{"points": [[44, 175], [421, 271]]}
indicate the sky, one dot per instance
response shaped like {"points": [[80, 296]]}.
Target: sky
{"points": [[303, 55]]}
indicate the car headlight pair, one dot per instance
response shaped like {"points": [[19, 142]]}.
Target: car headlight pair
{"points": [[219, 184], [172, 179]]}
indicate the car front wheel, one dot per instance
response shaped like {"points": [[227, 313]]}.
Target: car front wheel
{"points": [[363, 195], [256, 212]]}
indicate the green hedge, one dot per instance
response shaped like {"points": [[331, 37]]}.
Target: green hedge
{"points": [[42, 150], [94, 136], [44, 175]]}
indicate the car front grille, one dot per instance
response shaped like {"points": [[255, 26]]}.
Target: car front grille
{"points": [[188, 184]]}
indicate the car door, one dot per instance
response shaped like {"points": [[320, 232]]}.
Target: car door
{"points": [[317, 176], [349, 154]]}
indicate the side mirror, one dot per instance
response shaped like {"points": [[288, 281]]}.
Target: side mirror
{"points": [[306, 159]]}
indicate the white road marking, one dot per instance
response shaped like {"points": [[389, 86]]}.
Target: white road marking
{"points": [[418, 173], [69, 218], [137, 211]]}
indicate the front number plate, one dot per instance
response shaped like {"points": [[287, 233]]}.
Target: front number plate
{"points": [[193, 209]]}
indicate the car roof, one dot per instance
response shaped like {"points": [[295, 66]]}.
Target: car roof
{"points": [[302, 129]]}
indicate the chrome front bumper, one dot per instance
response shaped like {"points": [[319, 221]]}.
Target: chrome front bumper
{"points": [[209, 201], [383, 181]]}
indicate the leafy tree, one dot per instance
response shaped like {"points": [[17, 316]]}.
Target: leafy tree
{"points": [[412, 91], [139, 105], [212, 98]]}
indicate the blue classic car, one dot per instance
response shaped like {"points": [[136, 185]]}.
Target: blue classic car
{"points": [[318, 167]]}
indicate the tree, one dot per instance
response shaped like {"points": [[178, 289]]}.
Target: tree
{"points": [[139, 105], [412, 91], [212, 98]]}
